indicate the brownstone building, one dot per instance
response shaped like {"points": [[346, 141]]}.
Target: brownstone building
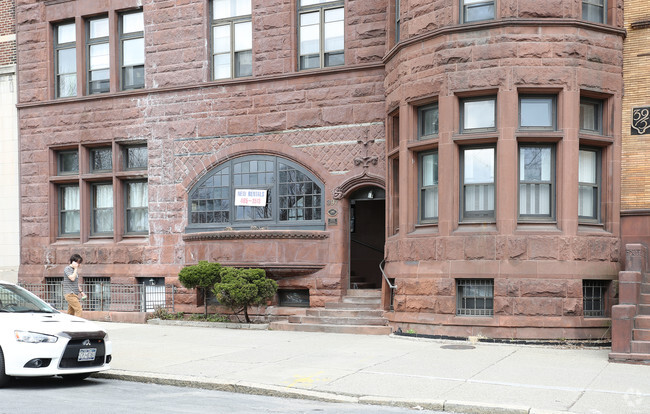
{"points": [[475, 145]]}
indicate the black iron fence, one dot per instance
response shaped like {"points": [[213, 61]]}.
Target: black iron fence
{"points": [[109, 296]]}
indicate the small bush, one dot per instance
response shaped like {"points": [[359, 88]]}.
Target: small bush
{"points": [[241, 288], [163, 314], [209, 318], [202, 276]]}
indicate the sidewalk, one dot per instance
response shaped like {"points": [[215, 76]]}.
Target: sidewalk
{"points": [[387, 370]]}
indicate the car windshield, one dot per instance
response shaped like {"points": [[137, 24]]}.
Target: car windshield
{"points": [[17, 299]]}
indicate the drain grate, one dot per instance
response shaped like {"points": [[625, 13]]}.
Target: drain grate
{"points": [[457, 347]]}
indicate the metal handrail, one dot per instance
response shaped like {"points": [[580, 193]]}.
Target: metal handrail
{"points": [[381, 268], [368, 246]]}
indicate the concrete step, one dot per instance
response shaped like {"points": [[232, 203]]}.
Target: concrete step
{"points": [[337, 320], [351, 306], [368, 293], [643, 310], [345, 313], [640, 347], [643, 359], [645, 299], [370, 300], [642, 322], [641, 334], [348, 329]]}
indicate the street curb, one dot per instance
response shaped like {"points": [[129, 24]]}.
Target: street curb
{"points": [[243, 387], [199, 324]]}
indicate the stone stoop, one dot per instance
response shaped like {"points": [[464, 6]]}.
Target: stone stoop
{"points": [[358, 313]]}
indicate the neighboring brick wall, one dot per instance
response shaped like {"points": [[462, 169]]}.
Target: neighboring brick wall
{"points": [[7, 32], [635, 183]]}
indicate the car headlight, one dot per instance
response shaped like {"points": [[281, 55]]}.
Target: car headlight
{"points": [[34, 337]]}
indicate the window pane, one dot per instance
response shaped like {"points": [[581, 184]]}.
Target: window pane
{"points": [[66, 33], [98, 28], [479, 114], [133, 22], [99, 56], [67, 85], [138, 195], [69, 162], [587, 167], [133, 52], [334, 29], [586, 201], [430, 170], [478, 12], [222, 66], [535, 163], [309, 35], [243, 64], [101, 159], [136, 157], [242, 7], [536, 112], [103, 208], [429, 121], [221, 39], [590, 116], [479, 165], [535, 199], [70, 196], [133, 77], [67, 61], [311, 2], [593, 10], [243, 36]]}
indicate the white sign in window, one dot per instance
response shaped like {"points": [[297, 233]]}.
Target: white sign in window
{"points": [[252, 198]]}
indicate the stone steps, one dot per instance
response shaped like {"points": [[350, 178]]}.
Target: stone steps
{"points": [[643, 310], [640, 347], [641, 334], [643, 359], [358, 312], [642, 322], [348, 329], [645, 299]]}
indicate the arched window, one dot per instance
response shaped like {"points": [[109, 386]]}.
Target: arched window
{"points": [[256, 190]]}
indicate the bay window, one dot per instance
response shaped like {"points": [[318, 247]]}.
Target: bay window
{"points": [[477, 10], [428, 187], [478, 114], [594, 10]]}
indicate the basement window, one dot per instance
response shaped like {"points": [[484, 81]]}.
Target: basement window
{"points": [[294, 297], [593, 296], [475, 297]]}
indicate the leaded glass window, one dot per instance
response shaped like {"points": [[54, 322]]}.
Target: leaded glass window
{"points": [[262, 191]]}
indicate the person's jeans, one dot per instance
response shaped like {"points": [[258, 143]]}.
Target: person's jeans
{"points": [[74, 306]]}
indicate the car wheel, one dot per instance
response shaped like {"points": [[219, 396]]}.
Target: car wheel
{"points": [[4, 379], [76, 377]]}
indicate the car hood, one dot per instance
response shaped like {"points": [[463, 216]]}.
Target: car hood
{"points": [[47, 323]]}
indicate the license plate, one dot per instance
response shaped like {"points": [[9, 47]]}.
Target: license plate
{"points": [[87, 354]]}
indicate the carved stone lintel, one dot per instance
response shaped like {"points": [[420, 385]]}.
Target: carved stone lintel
{"points": [[366, 161]]}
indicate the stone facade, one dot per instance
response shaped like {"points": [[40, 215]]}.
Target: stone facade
{"points": [[336, 123], [9, 216]]}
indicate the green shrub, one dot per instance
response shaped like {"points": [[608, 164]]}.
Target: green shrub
{"points": [[241, 288], [202, 276], [209, 318], [164, 314]]}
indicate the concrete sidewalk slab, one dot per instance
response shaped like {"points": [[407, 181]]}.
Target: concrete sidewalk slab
{"points": [[385, 370]]}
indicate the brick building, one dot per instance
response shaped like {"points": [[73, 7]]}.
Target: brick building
{"points": [[9, 216], [475, 145]]}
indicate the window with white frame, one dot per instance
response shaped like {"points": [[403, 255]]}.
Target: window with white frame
{"points": [[321, 33], [591, 116], [477, 183], [537, 112], [98, 55], [589, 184], [536, 181], [428, 121], [132, 50], [65, 60], [232, 39], [478, 114], [428, 187], [477, 10], [594, 10]]}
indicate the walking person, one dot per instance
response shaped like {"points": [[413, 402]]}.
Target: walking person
{"points": [[72, 285]]}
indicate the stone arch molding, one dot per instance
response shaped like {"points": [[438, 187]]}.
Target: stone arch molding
{"points": [[360, 180]]}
